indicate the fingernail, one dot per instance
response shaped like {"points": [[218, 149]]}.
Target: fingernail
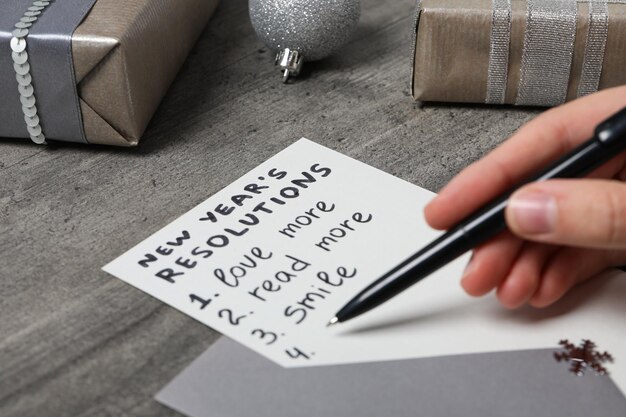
{"points": [[533, 212]]}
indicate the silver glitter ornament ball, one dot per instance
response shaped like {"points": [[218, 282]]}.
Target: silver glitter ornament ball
{"points": [[303, 30]]}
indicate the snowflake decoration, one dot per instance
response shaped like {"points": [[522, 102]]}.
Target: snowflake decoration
{"points": [[583, 357]]}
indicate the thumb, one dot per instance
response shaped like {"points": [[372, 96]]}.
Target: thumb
{"points": [[584, 213]]}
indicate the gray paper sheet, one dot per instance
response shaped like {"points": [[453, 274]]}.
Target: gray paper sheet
{"points": [[229, 380]]}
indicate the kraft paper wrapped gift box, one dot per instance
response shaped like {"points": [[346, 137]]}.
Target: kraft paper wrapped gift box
{"points": [[125, 55], [524, 52]]}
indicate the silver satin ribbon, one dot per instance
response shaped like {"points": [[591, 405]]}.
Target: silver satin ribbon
{"points": [[499, 52], [548, 51], [594, 47]]}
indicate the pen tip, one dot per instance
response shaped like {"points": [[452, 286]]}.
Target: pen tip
{"points": [[332, 321]]}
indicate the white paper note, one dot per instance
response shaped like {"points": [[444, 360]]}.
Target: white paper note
{"points": [[269, 259]]}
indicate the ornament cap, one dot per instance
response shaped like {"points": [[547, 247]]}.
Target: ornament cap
{"points": [[290, 62]]}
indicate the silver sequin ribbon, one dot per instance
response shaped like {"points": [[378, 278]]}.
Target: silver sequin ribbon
{"points": [[22, 69], [548, 50]]}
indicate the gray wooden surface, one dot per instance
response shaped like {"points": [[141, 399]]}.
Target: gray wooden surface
{"points": [[75, 341]]}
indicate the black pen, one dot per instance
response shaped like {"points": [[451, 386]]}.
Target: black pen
{"points": [[608, 140]]}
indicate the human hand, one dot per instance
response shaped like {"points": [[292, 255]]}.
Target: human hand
{"points": [[562, 231]]}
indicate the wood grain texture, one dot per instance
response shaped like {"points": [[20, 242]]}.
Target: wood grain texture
{"points": [[77, 342]]}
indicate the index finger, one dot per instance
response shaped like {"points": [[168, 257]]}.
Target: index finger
{"points": [[535, 145]]}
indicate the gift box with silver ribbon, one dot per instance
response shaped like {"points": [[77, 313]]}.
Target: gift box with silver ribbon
{"points": [[91, 71], [522, 52]]}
